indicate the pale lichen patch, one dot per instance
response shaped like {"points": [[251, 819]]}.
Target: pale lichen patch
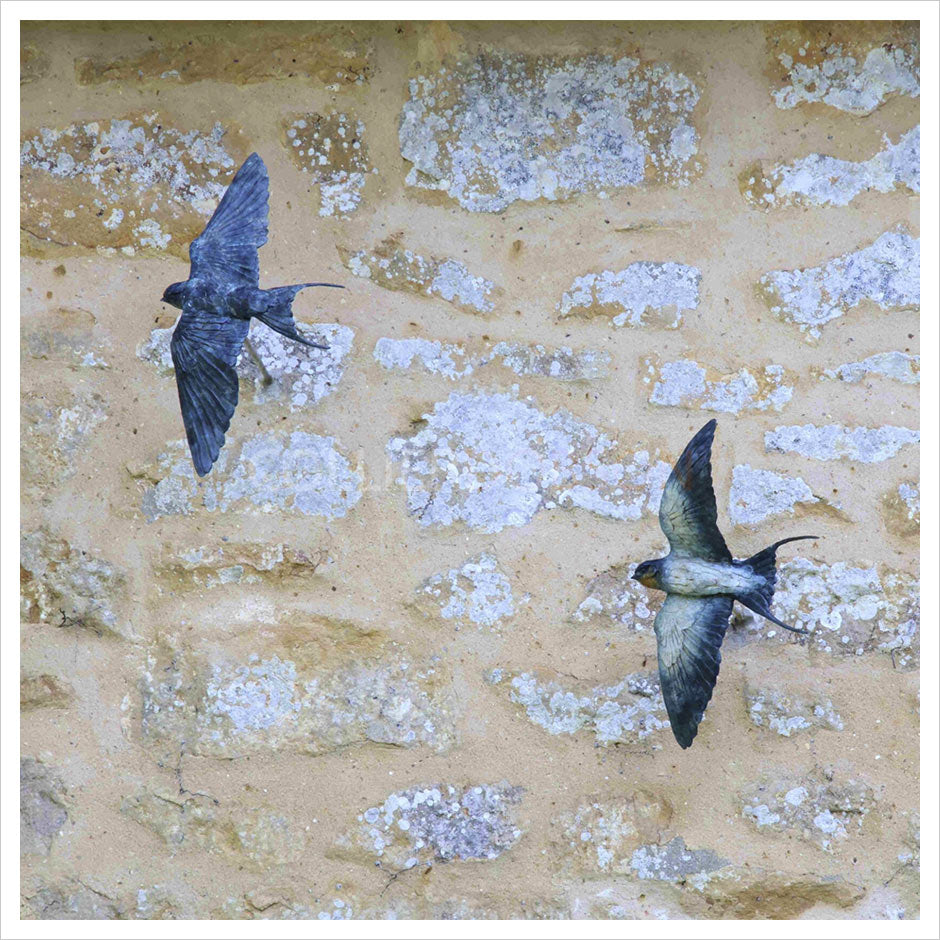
{"points": [[478, 593], [645, 292], [614, 598], [900, 508], [757, 494], [896, 365], [885, 273], [786, 714], [836, 442], [820, 180], [492, 461], [686, 384], [503, 127]]}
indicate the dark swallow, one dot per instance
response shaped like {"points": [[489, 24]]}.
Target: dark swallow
{"points": [[218, 302], [702, 581]]}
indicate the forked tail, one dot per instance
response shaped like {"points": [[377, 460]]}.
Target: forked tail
{"points": [[279, 316], [764, 563]]}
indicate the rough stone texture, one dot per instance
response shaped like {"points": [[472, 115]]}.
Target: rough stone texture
{"points": [[786, 715], [813, 809], [259, 835], [586, 124], [885, 274], [70, 588], [311, 694], [614, 598], [295, 473], [331, 149], [835, 442], [627, 711], [492, 460], [130, 183], [820, 180], [892, 365], [396, 268], [277, 651], [437, 823], [686, 384], [277, 368], [842, 68], [756, 495], [239, 53], [901, 509], [477, 594], [645, 292], [42, 807], [453, 361]]}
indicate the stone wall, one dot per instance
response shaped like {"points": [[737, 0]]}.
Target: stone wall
{"points": [[386, 659]]}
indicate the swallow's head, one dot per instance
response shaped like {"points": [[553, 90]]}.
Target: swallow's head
{"points": [[647, 573], [175, 294]]}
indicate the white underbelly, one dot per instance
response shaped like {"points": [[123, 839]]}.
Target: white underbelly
{"points": [[700, 578]]}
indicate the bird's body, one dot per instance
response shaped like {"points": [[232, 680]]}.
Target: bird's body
{"points": [[702, 581], [218, 301]]}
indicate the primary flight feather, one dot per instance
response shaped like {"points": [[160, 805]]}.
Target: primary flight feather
{"points": [[218, 301], [702, 581]]}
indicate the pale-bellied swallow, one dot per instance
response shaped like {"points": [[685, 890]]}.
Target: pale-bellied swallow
{"points": [[702, 581]]}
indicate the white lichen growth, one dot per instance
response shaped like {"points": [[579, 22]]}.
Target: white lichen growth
{"points": [[836, 442], [633, 295], [684, 383], [757, 494], [477, 593], [885, 273], [447, 359], [896, 365], [786, 714]]}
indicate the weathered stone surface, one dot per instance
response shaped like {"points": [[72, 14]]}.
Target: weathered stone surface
{"points": [[131, 183], [43, 810], [814, 809], [819, 180], [901, 509], [70, 900], [645, 293], [614, 598], [885, 273], [492, 460], [56, 431], [453, 361], [674, 862], [436, 823], [756, 495], [309, 693], [892, 365], [849, 610], [277, 368], [242, 54], [626, 712], [66, 337], [257, 835], [332, 149], [241, 563], [68, 587], [34, 63], [396, 268], [851, 70], [273, 471], [602, 834], [835, 442], [786, 714], [44, 691], [686, 384], [477, 594], [503, 127]]}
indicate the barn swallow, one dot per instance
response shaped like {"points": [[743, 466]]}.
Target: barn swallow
{"points": [[702, 581], [218, 302]]}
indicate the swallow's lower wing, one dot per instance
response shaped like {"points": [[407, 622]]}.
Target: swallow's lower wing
{"points": [[228, 247], [689, 631], [687, 512], [205, 347]]}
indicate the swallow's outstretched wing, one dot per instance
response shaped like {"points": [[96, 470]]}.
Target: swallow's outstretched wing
{"points": [[687, 512], [689, 631], [228, 247], [205, 347]]}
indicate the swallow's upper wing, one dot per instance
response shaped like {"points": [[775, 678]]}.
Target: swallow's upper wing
{"points": [[687, 512], [205, 346], [228, 246], [689, 631]]}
